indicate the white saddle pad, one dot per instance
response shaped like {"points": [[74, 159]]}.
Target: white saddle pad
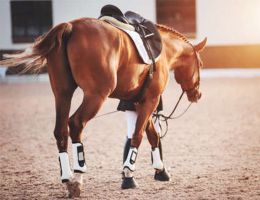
{"points": [[129, 30]]}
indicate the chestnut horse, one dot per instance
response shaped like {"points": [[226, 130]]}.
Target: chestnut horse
{"points": [[103, 62]]}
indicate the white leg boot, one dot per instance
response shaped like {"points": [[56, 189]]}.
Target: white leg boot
{"points": [[156, 159], [161, 173], [129, 164], [79, 165], [66, 173], [128, 169]]}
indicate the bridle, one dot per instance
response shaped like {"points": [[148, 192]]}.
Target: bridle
{"points": [[163, 118]]}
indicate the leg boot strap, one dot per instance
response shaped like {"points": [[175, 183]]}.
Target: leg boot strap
{"points": [[79, 164]]}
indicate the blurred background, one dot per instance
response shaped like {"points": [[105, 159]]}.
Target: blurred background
{"points": [[232, 26]]}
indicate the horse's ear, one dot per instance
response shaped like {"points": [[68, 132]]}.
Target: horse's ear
{"points": [[199, 47]]}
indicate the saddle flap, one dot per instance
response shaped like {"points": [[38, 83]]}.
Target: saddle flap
{"points": [[148, 31]]}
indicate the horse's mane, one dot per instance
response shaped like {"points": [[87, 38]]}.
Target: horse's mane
{"points": [[173, 31], [180, 36]]}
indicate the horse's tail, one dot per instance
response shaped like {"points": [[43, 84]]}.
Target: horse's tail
{"points": [[34, 57]]}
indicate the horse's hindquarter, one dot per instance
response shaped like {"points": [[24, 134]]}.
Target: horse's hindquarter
{"points": [[93, 55]]}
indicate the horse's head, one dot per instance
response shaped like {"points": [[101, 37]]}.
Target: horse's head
{"points": [[188, 73]]}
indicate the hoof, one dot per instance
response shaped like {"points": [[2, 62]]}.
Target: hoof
{"points": [[129, 183], [74, 188], [162, 175]]}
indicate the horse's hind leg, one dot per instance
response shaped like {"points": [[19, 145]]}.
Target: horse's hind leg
{"points": [[77, 122], [87, 110], [63, 87], [61, 133]]}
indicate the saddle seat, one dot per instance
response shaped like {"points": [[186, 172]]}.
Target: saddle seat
{"points": [[134, 18], [135, 22]]}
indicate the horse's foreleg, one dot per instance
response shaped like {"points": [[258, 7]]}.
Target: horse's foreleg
{"points": [[154, 139], [144, 111], [161, 173], [152, 135]]}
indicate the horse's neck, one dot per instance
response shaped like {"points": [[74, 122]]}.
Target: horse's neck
{"points": [[175, 49]]}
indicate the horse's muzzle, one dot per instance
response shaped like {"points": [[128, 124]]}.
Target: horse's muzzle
{"points": [[194, 95]]}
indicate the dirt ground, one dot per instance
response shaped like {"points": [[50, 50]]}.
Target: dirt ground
{"points": [[212, 152]]}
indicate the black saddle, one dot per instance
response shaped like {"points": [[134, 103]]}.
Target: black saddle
{"points": [[113, 11], [146, 29]]}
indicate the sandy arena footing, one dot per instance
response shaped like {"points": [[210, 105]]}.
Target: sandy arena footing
{"points": [[212, 152]]}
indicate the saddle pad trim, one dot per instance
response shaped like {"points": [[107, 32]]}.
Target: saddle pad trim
{"points": [[117, 23]]}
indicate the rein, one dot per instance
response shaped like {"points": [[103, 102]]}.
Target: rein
{"points": [[157, 116], [165, 118], [108, 113]]}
